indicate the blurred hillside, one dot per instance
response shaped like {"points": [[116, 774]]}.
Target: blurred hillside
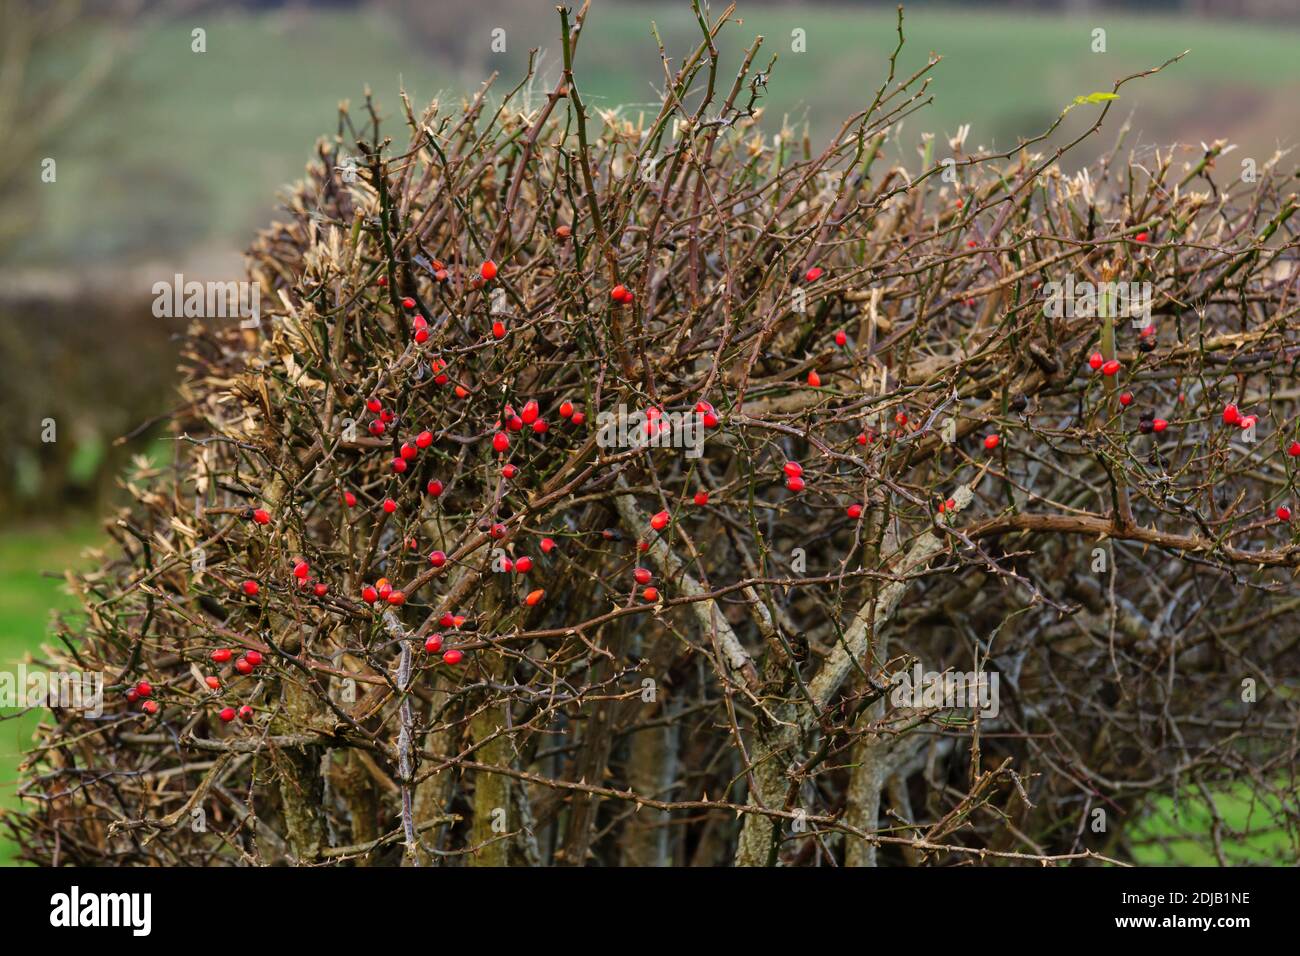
{"points": [[181, 154], [168, 159]]}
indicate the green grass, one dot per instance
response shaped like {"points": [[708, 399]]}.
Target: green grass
{"points": [[190, 149], [1179, 834], [27, 598]]}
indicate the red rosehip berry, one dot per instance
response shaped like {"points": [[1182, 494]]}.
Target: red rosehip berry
{"points": [[251, 588], [433, 643], [349, 499], [377, 427], [399, 465], [437, 558], [701, 498], [500, 442], [813, 274], [262, 516], [1231, 416], [792, 469], [650, 594], [488, 271], [375, 405], [523, 565], [530, 412], [659, 521], [841, 339], [408, 451], [408, 303], [150, 707], [246, 713], [1126, 399], [144, 689], [854, 511], [535, 597], [1095, 361], [244, 666], [1283, 513], [453, 657], [540, 426], [498, 531], [434, 488], [814, 380], [221, 655], [642, 575], [389, 506], [424, 439], [498, 330], [320, 590], [369, 594], [301, 570], [509, 471], [548, 545], [253, 657], [227, 714], [991, 441], [578, 418], [1142, 237], [1294, 449], [397, 598], [795, 484], [566, 409], [1111, 367]]}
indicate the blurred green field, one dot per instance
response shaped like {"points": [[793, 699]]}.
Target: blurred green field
{"points": [[1181, 833], [189, 150], [27, 597]]}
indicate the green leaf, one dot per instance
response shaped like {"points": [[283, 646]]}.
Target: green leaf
{"points": [[1095, 98]]}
